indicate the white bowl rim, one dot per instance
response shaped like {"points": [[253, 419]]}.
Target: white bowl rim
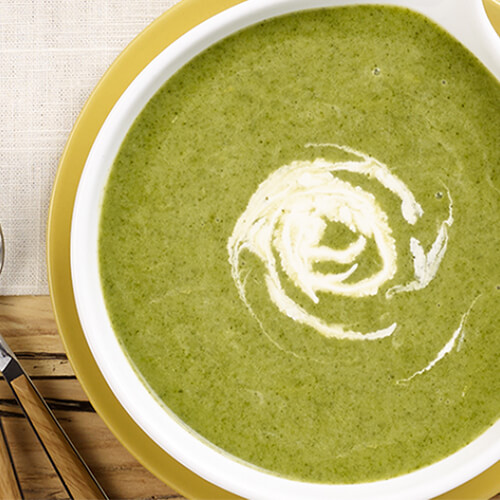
{"points": [[473, 29]]}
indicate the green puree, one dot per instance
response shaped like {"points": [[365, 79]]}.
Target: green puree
{"points": [[280, 395]]}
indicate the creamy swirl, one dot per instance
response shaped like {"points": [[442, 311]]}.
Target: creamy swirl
{"points": [[286, 219]]}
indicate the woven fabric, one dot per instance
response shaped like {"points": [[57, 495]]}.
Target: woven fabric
{"points": [[52, 54]]}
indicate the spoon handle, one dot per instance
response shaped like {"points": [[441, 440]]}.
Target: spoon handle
{"points": [[9, 484], [76, 477]]}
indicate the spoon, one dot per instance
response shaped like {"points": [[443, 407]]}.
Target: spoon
{"points": [[76, 477]]}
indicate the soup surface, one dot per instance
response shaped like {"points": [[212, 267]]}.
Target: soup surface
{"points": [[299, 244]]}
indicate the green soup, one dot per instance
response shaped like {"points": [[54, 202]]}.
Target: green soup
{"points": [[299, 244]]}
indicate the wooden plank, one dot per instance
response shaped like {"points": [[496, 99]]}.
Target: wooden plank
{"points": [[43, 343], [38, 367], [52, 388], [28, 317], [29, 327], [60, 394]]}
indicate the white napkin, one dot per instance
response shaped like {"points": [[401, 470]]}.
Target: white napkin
{"points": [[52, 54]]}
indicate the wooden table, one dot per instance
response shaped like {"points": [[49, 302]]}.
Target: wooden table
{"points": [[28, 325]]}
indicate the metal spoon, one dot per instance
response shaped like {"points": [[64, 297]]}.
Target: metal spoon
{"points": [[74, 473]]}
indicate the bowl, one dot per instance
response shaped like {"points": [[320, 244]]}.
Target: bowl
{"points": [[466, 21]]}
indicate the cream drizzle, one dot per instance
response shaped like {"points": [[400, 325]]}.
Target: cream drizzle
{"points": [[287, 216], [426, 265], [458, 334]]}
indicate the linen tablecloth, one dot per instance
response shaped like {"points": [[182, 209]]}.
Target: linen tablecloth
{"points": [[52, 54]]}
